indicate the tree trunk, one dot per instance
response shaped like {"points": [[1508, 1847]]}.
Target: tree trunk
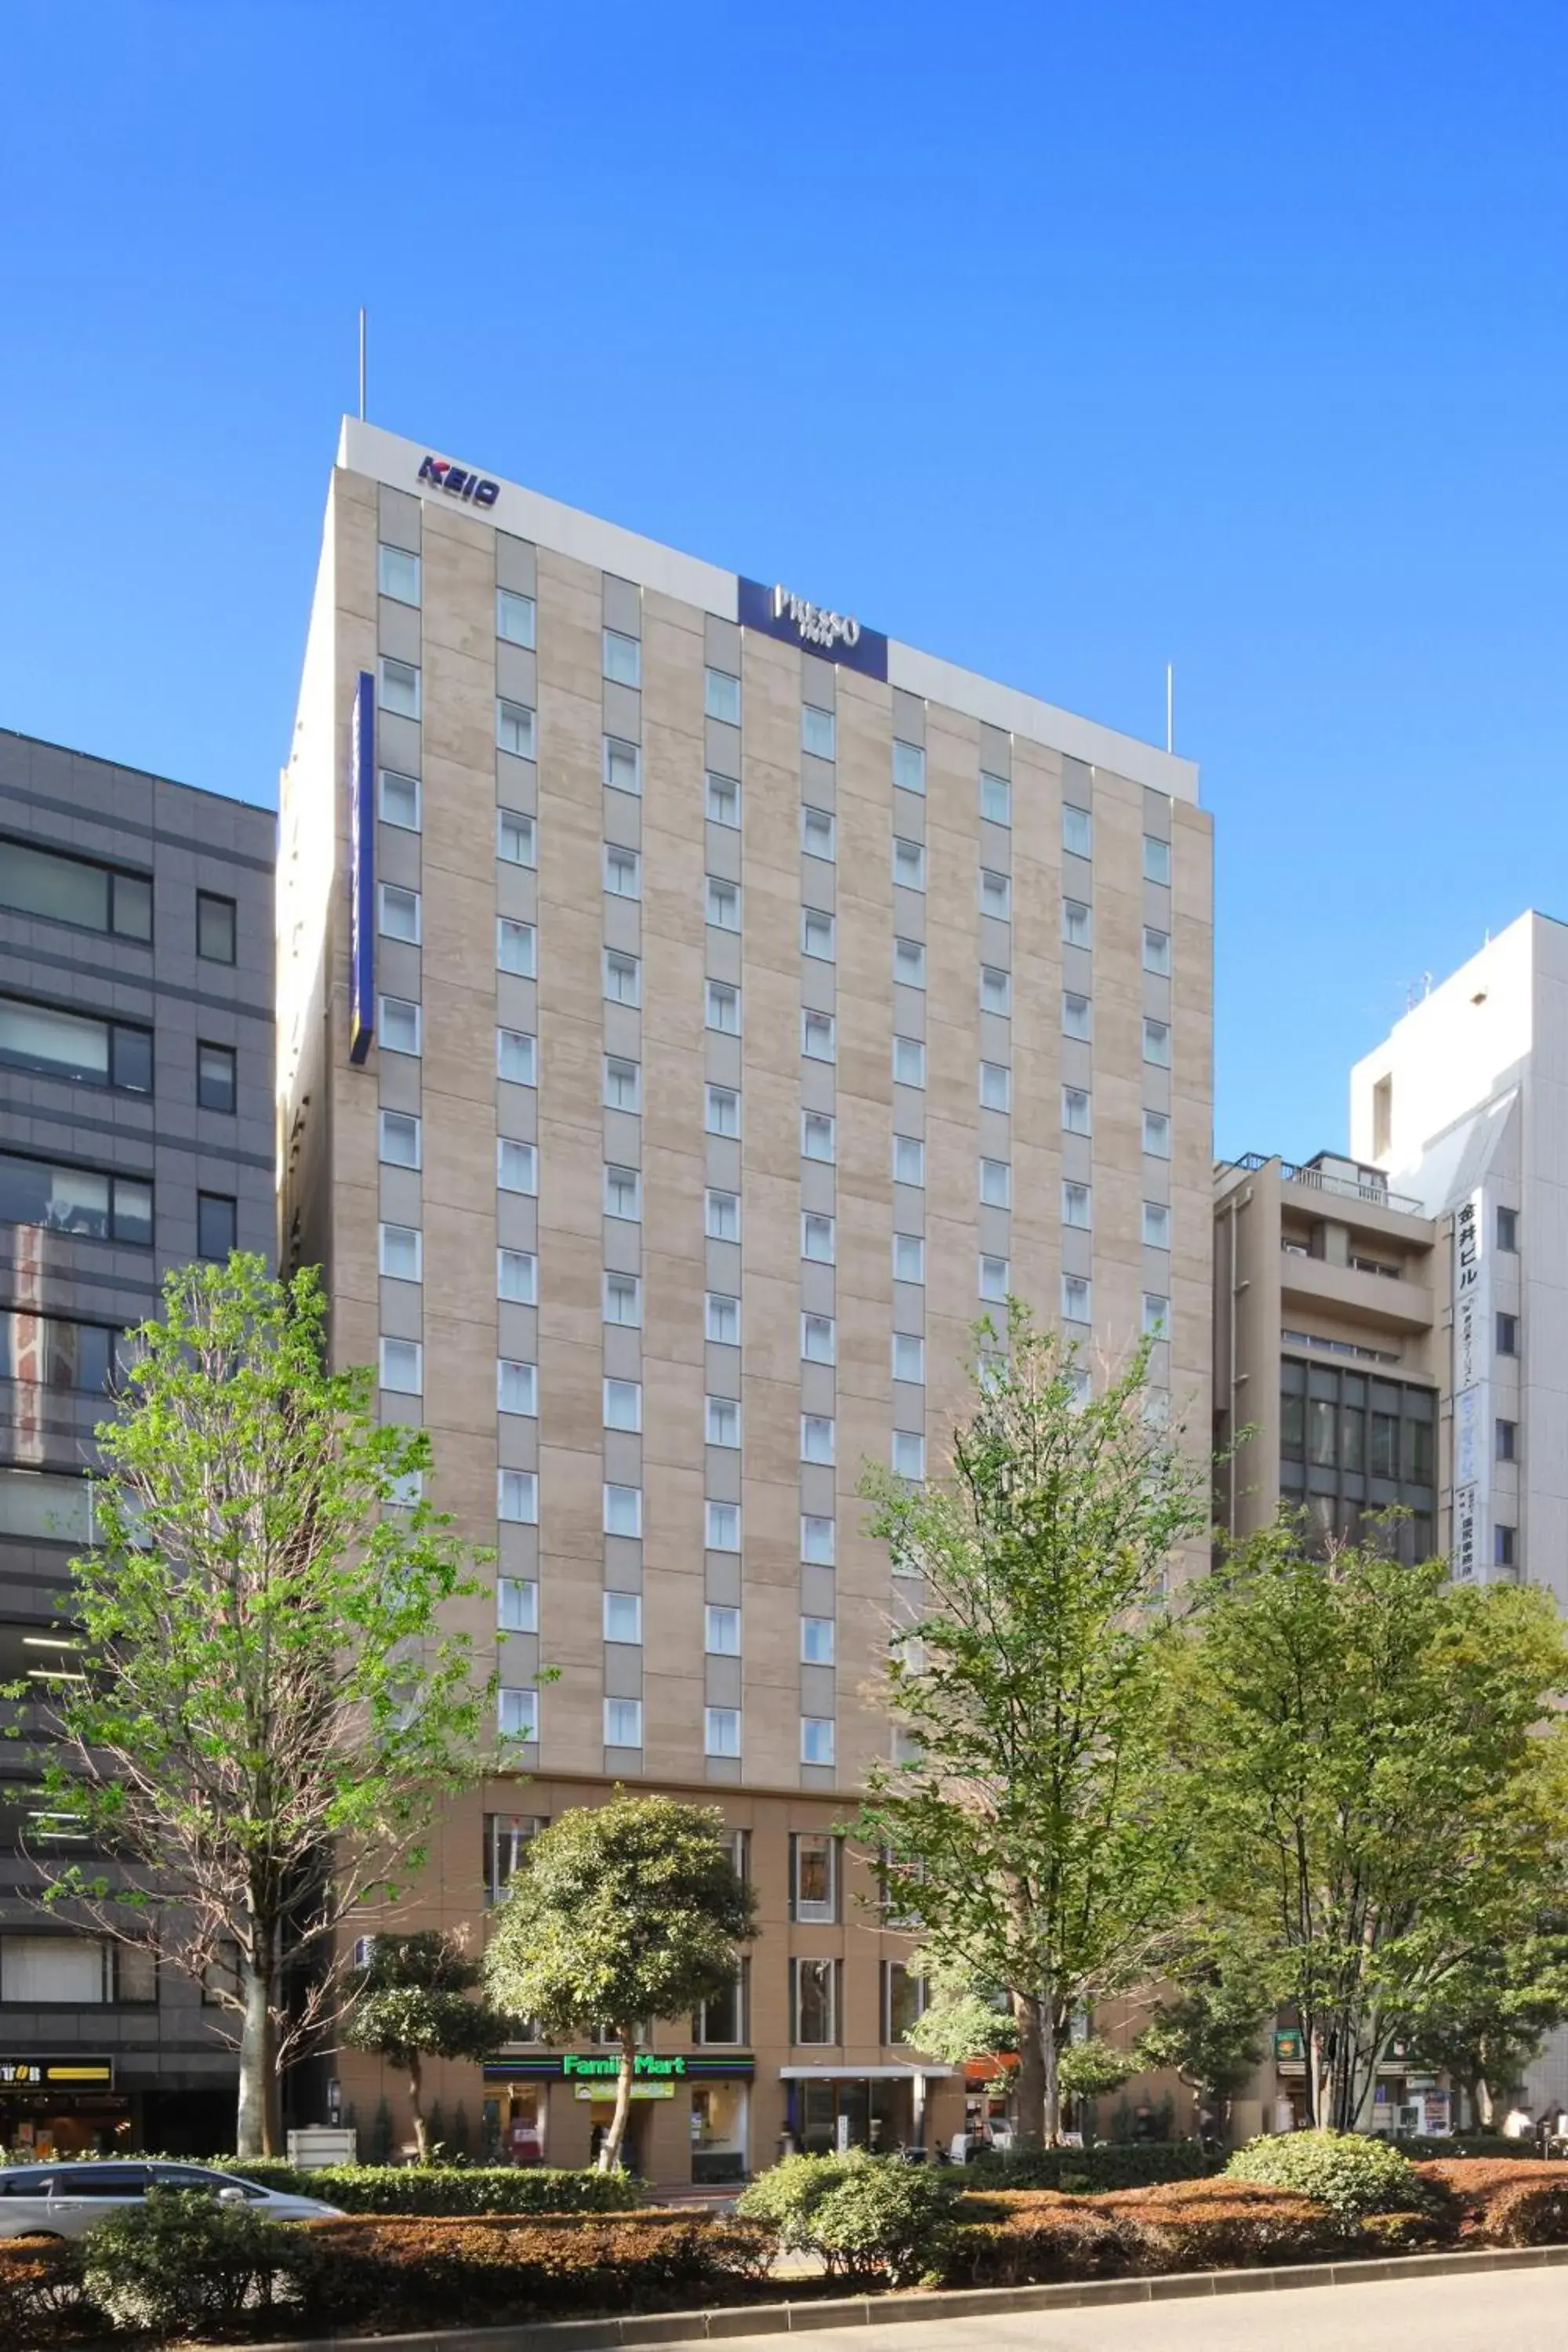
{"points": [[1050, 2052], [1030, 2096], [610, 2153], [257, 2133], [1485, 2111], [416, 2109]]}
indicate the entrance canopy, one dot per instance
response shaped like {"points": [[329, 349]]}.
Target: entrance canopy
{"points": [[865, 2073]]}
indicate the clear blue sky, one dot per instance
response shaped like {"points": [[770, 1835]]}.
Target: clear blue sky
{"points": [[1060, 339]]}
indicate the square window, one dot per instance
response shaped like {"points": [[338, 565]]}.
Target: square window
{"points": [[1157, 1043], [1075, 1297], [1157, 952], [516, 1713], [1075, 1015], [1156, 859], [1075, 1110], [908, 1357], [1507, 1334], [722, 1320], [1506, 1446], [398, 687], [216, 1082], [722, 1531], [623, 1299], [908, 766], [517, 1604], [516, 948], [398, 1022], [623, 1193], [622, 765], [995, 990], [397, 574], [623, 1723], [399, 916], [1078, 927], [817, 732], [398, 798], [399, 1140], [1157, 1134], [817, 1136], [816, 1036], [909, 1160], [217, 1226], [996, 1183], [623, 658], [817, 833], [910, 864], [517, 1276], [994, 1276], [401, 1253], [817, 1540], [515, 617], [908, 1454], [623, 1404], [909, 963], [909, 1258], [514, 729], [996, 1085], [816, 1237], [1156, 1224], [517, 1498], [622, 1510], [723, 1421], [721, 798], [722, 1631], [622, 1084], [723, 904], [516, 1387], [1504, 1547], [996, 896], [1077, 831], [1156, 1316], [623, 1616], [816, 934], [816, 1438], [1508, 1229], [723, 1008], [722, 697], [817, 1746], [721, 1726], [816, 1640], [722, 1215], [1077, 1205], [995, 799], [818, 1340], [517, 1166], [517, 1057], [724, 1111], [908, 1062], [623, 977], [623, 872]]}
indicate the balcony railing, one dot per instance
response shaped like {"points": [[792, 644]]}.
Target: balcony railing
{"points": [[1369, 1189]]}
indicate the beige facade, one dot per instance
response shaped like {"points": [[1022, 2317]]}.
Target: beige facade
{"points": [[756, 1024]]}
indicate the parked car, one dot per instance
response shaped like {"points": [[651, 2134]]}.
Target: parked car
{"points": [[61, 2200]]}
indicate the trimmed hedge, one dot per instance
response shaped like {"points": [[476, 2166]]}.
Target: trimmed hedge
{"points": [[434, 2190], [1502, 2201], [1110, 2164], [868, 2218]]}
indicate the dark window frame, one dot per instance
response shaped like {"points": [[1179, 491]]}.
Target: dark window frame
{"points": [[216, 1200], [205, 899], [113, 1182], [213, 1045], [115, 876], [119, 1037]]}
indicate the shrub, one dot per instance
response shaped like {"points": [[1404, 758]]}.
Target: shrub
{"points": [[443, 2188], [41, 2301], [1502, 2201], [785, 2197], [867, 2217], [184, 2264], [1111, 2164], [1349, 2173]]}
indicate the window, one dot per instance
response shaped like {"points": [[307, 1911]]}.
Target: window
{"points": [[623, 1193], [1075, 1015], [514, 729], [903, 2002], [399, 1021], [816, 1036], [1506, 1447], [995, 990], [65, 889], [1075, 1297], [909, 1456], [623, 1404], [816, 1640], [1075, 1110], [724, 1111], [1078, 927], [517, 1498], [722, 1420], [818, 1743], [516, 1387], [622, 765], [722, 1320], [995, 1183], [216, 1218], [402, 1254], [623, 1723], [1508, 1229], [723, 1008], [78, 1201], [516, 948], [817, 1540], [215, 927], [996, 896], [1077, 831], [516, 1713], [909, 1258], [216, 1080], [1156, 859], [816, 934], [908, 1062], [818, 1237], [722, 1215], [1508, 1335], [623, 658], [1382, 1117], [722, 1526], [517, 1057], [399, 688], [814, 2022], [515, 617], [817, 1136], [813, 1878], [46, 1971], [816, 1438], [723, 904], [909, 963], [75, 1048], [818, 1343], [623, 1299], [517, 1276], [622, 1510], [622, 1084], [1157, 1043], [402, 1367], [1156, 1224], [720, 1736], [817, 732], [722, 697], [722, 1631], [996, 1085], [908, 1357], [910, 864], [908, 766], [397, 574], [1157, 952], [623, 1617], [909, 1160], [53, 1351], [623, 978], [817, 833], [398, 798], [994, 1278], [1504, 1547], [623, 872], [1077, 1205], [517, 1166], [399, 913], [995, 799], [1157, 1134], [721, 798], [1156, 1316], [517, 1604]]}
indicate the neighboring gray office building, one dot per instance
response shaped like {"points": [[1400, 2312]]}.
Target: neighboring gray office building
{"points": [[136, 1133]]}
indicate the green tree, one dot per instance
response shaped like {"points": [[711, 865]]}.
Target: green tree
{"points": [[1029, 1833], [1214, 2028], [1486, 2021], [618, 1914], [266, 1709], [1379, 1780], [411, 2001]]}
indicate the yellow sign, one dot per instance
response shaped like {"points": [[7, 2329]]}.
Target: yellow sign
{"points": [[603, 2094]]}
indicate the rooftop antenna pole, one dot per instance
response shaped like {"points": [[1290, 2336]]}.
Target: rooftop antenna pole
{"points": [[361, 363], [1169, 692]]}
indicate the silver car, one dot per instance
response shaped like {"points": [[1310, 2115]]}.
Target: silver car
{"points": [[61, 2200]]}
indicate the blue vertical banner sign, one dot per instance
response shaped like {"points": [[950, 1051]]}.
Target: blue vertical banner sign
{"points": [[362, 819]]}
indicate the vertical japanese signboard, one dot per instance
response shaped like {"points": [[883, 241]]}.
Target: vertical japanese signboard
{"points": [[1472, 1359]]}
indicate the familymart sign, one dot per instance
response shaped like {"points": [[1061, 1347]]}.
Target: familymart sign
{"points": [[592, 2072]]}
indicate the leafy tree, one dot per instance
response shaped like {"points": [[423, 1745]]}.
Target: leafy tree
{"points": [[267, 1711], [1379, 1778], [411, 2002], [1212, 2032], [961, 2020], [1489, 2018], [616, 1913], [1030, 1832]]}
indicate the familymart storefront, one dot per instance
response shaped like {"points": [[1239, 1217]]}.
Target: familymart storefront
{"points": [[689, 2117]]}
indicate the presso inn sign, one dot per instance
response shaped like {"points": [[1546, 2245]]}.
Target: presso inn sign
{"points": [[835, 637]]}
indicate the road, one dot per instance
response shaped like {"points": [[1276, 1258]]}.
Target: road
{"points": [[1435, 2315]]}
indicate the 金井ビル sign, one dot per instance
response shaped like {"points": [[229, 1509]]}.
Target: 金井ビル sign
{"points": [[835, 636]]}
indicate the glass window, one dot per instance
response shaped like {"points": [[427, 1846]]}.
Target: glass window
{"points": [[1508, 1335], [623, 1723], [909, 963], [817, 1540], [996, 1085], [217, 1086], [818, 1340], [723, 1421], [1077, 831], [622, 1510], [813, 1878], [399, 690], [517, 1604], [723, 904], [399, 913], [1075, 1110], [723, 1008], [995, 799], [722, 1215], [1508, 1229], [909, 1258], [623, 765], [996, 896], [397, 797], [909, 1160], [623, 658], [908, 1357], [817, 732], [996, 1183], [1383, 1452], [995, 1277], [1156, 1224], [1157, 952], [1506, 1446], [817, 833], [623, 1404], [816, 1640], [215, 927], [910, 864], [818, 1745], [1504, 1547], [1157, 1134], [816, 1237], [722, 1526], [623, 1193], [514, 729], [398, 1023], [1077, 1205], [816, 934], [815, 2021], [816, 1036], [515, 617], [908, 1062], [516, 1387], [517, 1057], [1292, 1425], [1078, 925], [723, 1110], [516, 1713], [216, 1221], [816, 1437], [1076, 1297], [1156, 859], [817, 1136], [720, 1736], [623, 872], [722, 1320], [1157, 1319], [65, 889], [722, 1631], [623, 1299], [54, 1352], [517, 1166], [908, 766], [722, 697], [622, 1084], [517, 1276], [1157, 1043], [402, 1256], [623, 1616], [995, 990], [623, 977], [397, 574], [516, 948], [1075, 1015], [402, 1369], [908, 1454], [722, 799]]}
